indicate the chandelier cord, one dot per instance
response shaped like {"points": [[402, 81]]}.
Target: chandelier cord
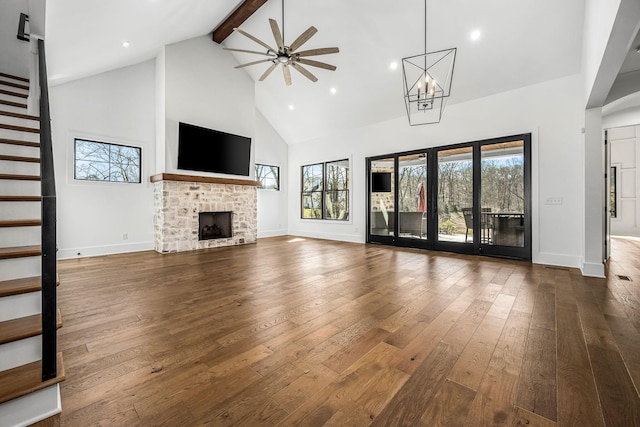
{"points": [[425, 26]]}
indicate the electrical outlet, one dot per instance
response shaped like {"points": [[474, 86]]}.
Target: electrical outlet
{"points": [[553, 201], [125, 236]]}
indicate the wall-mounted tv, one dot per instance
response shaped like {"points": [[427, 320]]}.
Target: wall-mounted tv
{"points": [[208, 150], [381, 182]]}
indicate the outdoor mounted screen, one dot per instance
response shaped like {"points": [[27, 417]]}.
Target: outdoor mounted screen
{"points": [[381, 182], [208, 150]]}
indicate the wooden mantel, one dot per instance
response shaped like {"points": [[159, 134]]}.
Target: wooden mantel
{"points": [[208, 179]]}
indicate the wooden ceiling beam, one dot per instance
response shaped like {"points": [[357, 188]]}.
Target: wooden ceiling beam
{"points": [[241, 14]]}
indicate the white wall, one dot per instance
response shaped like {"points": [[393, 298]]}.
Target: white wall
{"points": [[15, 53], [552, 111], [272, 205], [118, 107], [625, 156], [203, 88]]}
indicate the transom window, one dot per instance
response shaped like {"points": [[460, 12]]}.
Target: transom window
{"points": [[101, 161], [325, 190]]}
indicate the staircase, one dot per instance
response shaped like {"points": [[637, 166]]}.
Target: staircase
{"points": [[29, 391]]}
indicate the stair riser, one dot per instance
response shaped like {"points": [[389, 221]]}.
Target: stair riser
{"points": [[12, 97], [12, 109], [17, 268], [19, 135], [6, 84], [20, 188], [21, 168], [19, 150], [20, 236], [18, 121], [22, 305], [20, 210], [31, 408], [20, 352]]}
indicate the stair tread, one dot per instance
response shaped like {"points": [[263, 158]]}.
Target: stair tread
{"points": [[20, 223], [19, 128], [12, 93], [24, 327], [22, 286], [19, 142], [13, 104], [26, 379], [19, 115], [20, 252], [18, 177], [20, 198], [11, 76], [19, 158]]}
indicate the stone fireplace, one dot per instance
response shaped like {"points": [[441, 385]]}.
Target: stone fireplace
{"points": [[184, 205]]}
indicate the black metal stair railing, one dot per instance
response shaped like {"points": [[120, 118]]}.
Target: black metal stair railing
{"points": [[49, 267]]}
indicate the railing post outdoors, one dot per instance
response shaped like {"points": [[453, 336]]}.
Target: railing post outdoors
{"points": [[49, 267]]}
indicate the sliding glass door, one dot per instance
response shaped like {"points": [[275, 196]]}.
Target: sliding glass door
{"points": [[467, 198]]}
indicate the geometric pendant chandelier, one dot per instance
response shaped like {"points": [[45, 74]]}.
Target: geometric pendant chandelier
{"points": [[427, 82]]}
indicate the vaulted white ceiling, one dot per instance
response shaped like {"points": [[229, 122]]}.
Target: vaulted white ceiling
{"points": [[521, 43]]}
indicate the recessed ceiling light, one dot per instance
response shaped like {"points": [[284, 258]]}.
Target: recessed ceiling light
{"points": [[393, 65], [475, 35], [333, 90], [291, 107], [126, 43]]}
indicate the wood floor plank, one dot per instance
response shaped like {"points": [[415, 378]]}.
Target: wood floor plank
{"points": [[299, 331], [473, 362], [537, 386], [449, 406], [618, 397]]}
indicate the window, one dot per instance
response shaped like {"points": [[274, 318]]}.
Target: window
{"points": [[613, 206], [269, 176], [325, 190], [100, 161]]}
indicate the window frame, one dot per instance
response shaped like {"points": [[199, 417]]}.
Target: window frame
{"points": [[324, 192], [110, 144], [261, 187]]}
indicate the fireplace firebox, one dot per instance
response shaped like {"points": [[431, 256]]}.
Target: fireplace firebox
{"points": [[215, 225]]}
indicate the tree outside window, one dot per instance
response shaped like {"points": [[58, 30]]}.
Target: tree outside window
{"points": [[325, 190], [269, 176], [100, 161]]}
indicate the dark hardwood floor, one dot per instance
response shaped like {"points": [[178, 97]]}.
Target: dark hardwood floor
{"points": [[293, 331]]}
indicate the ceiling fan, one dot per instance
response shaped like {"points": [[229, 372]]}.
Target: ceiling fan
{"points": [[287, 56]]}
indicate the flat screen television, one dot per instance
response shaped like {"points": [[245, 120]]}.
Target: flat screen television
{"points": [[207, 150], [381, 182]]}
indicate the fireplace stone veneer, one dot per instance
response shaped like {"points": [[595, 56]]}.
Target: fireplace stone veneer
{"points": [[179, 199]]}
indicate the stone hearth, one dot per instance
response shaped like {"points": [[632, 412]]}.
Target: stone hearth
{"points": [[179, 199]]}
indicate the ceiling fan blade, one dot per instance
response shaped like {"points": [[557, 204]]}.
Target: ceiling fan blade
{"points": [[287, 74], [269, 70], [303, 38], [247, 51], [277, 35], [320, 51], [317, 64], [260, 42], [253, 63], [304, 72]]}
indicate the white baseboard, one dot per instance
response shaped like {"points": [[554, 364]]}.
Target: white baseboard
{"points": [[89, 251], [271, 233], [559, 260], [591, 269], [353, 238]]}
